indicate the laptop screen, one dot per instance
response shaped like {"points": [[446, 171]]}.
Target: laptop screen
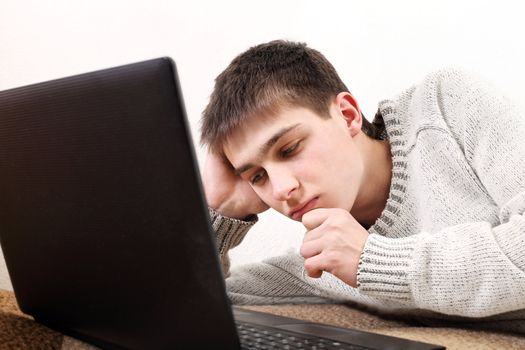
{"points": [[102, 218]]}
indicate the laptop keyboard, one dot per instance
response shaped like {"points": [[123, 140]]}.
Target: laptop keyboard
{"points": [[260, 337]]}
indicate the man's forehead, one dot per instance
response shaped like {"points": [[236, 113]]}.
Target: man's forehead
{"points": [[250, 133], [260, 126], [262, 129]]}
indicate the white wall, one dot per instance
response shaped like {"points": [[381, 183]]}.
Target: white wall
{"points": [[378, 47]]}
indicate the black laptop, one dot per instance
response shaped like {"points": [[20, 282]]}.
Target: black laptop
{"points": [[104, 226]]}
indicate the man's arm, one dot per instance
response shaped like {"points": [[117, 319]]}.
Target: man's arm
{"points": [[232, 203], [229, 234]]}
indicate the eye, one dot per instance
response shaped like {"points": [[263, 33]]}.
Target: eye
{"points": [[257, 177], [290, 150]]}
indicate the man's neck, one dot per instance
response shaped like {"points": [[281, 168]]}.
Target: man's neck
{"points": [[372, 197]]}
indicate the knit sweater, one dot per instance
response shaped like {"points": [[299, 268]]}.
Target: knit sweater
{"points": [[450, 242]]}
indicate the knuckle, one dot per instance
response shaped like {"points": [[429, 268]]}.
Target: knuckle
{"points": [[306, 219], [332, 224], [341, 214], [332, 241], [332, 258], [337, 220], [303, 251], [308, 267]]}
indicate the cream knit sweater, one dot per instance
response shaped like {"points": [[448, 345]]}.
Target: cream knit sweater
{"points": [[451, 241]]}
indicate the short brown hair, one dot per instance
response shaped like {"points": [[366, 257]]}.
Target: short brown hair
{"points": [[264, 79]]}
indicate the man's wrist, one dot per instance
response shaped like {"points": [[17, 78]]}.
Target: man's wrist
{"points": [[232, 212]]}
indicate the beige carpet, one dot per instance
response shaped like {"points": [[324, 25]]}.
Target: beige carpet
{"points": [[18, 331]]}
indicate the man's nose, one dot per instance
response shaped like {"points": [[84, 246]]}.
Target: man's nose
{"points": [[283, 184]]}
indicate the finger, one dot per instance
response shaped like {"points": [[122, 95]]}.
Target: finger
{"points": [[311, 248], [315, 217], [314, 266], [314, 234]]}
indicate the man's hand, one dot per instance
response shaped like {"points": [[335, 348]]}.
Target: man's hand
{"points": [[228, 193], [333, 243]]}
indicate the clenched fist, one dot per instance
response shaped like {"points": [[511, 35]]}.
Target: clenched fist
{"points": [[334, 243]]}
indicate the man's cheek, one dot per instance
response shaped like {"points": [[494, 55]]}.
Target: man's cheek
{"points": [[260, 195]]}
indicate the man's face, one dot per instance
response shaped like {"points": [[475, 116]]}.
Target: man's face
{"points": [[297, 161]]}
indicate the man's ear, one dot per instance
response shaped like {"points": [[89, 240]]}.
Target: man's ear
{"points": [[349, 109]]}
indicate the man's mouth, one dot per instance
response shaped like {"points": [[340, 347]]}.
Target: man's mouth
{"points": [[298, 212]]}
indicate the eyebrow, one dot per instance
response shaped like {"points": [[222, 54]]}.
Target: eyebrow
{"points": [[265, 147]]}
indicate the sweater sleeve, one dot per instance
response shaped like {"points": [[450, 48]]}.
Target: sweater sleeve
{"points": [[273, 281], [230, 233], [473, 269]]}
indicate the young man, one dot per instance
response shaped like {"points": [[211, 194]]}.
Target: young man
{"points": [[420, 212]]}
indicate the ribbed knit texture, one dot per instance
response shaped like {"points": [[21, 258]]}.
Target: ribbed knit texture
{"points": [[450, 242], [230, 232]]}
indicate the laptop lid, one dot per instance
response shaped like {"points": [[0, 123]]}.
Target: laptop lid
{"points": [[102, 219]]}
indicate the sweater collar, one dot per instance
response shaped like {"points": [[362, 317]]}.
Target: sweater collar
{"points": [[397, 141]]}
